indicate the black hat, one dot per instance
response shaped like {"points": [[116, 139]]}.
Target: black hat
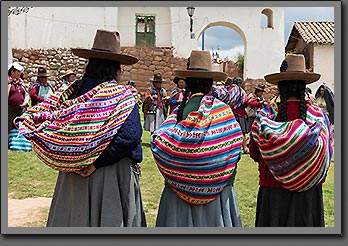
{"points": [[157, 78]]}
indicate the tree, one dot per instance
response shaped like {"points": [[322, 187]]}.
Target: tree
{"points": [[240, 63]]}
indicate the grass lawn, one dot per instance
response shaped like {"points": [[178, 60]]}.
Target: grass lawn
{"points": [[28, 177]]}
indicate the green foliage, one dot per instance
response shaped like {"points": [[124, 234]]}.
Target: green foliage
{"points": [[240, 63], [55, 67]]}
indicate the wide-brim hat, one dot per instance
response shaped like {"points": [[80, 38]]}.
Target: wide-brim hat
{"points": [[260, 87], [200, 66], [293, 68], [42, 72], [157, 77], [67, 73], [106, 46]]}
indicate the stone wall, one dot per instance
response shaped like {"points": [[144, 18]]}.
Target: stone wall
{"points": [[250, 84], [151, 60]]}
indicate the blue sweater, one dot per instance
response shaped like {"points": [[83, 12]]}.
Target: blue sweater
{"points": [[127, 141]]}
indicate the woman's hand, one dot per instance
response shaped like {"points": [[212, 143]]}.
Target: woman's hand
{"points": [[23, 105], [85, 172]]}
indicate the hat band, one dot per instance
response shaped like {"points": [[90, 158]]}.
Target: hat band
{"points": [[102, 50], [197, 68]]}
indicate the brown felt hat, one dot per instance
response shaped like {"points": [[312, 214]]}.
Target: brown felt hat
{"points": [[106, 46], [200, 66], [293, 68], [67, 73], [157, 77], [42, 72]]}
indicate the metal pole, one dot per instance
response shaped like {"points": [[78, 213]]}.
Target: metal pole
{"points": [[191, 24], [203, 40]]}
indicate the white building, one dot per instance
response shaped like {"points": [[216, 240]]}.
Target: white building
{"points": [[66, 27], [315, 39]]}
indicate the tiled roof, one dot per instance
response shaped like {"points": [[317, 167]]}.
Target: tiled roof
{"points": [[320, 32], [317, 32]]}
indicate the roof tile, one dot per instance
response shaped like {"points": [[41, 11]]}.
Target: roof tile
{"points": [[320, 32]]}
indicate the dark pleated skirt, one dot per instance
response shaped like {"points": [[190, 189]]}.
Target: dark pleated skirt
{"points": [[13, 112], [244, 124], [283, 208], [222, 212], [110, 197]]}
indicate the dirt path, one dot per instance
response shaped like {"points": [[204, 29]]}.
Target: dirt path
{"points": [[24, 211]]}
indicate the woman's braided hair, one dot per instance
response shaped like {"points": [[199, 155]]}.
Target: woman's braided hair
{"points": [[194, 85], [292, 88], [100, 69]]}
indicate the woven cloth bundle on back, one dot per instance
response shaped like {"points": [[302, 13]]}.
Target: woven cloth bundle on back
{"points": [[298, 153], [198, 155], [68, 134]]}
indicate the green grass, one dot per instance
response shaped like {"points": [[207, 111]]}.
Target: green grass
{"points": [[28, 177]]}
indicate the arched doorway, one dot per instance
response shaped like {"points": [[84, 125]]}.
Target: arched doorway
{"points": [[227, 49]]}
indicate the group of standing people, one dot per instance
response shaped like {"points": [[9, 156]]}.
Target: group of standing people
{"points": [[196, 147], [22, 96]]}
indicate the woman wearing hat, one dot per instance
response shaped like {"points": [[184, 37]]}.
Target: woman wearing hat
{"points": [[18, 99], [155, 105], [41, 89], [91, 132], [291, 142], [197, 149], [177, 93], [68, 77]]}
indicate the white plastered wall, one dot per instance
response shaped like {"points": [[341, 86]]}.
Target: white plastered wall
{"points": [[66, 27], [324, 65]]}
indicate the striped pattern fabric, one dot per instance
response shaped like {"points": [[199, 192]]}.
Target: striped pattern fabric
{"points": [[70, 134], [18, 143], [198, 156], [298, 153]]}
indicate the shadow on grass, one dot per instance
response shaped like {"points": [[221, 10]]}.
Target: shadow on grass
{"points": [[146, 144]]}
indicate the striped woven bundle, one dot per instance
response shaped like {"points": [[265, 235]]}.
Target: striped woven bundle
{"points": [[18, 143], [198, 156], [298, 153], [70, 134]]}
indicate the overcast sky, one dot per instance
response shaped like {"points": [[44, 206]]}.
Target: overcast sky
{"points": [[231, 44]]}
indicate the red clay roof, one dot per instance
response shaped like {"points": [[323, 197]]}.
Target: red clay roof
{"points": [[318, 32]]}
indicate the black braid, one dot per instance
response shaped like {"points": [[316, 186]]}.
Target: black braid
{"points": [[103, 70], [182, 105], [194, 85], [283, 99], [303, 109], [292, 88]]}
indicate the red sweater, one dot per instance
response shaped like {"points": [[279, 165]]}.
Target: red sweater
{"points": [[266, 178]]}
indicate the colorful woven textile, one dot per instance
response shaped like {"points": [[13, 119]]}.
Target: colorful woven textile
{"points": [[18, 143], [198, 156], [298, 153], [70, 134]]}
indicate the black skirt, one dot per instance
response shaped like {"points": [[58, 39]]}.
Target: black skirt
{"points": [[283, 208], [244, 124]]}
